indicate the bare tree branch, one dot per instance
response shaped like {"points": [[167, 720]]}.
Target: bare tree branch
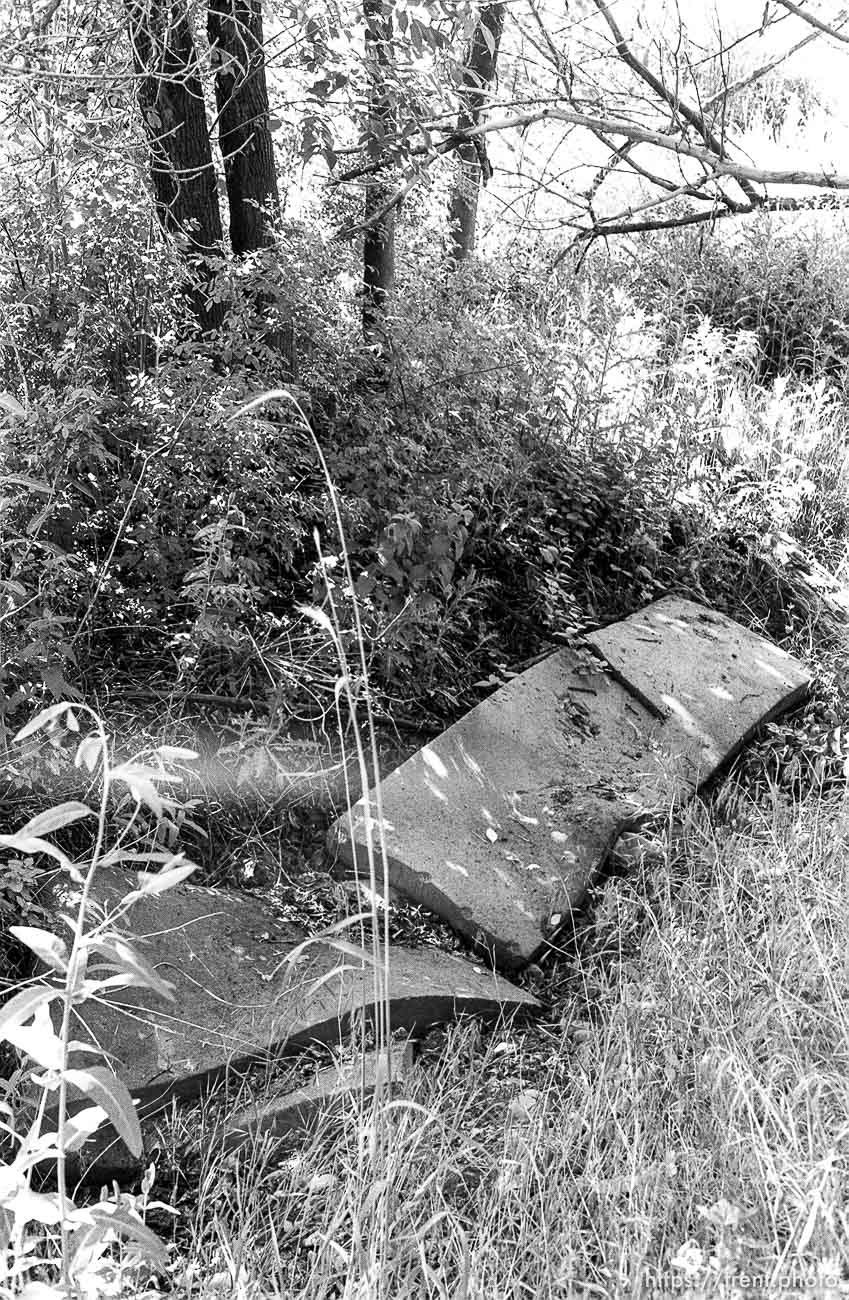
{"points": [[717, 167], [826, 28], [564, 74], [728, 92], [679, 106], [781, 203], [625, 155], [631, 131], [690, 133], [680, 192]]}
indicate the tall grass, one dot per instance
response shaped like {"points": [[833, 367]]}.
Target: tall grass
{"points": [[680, 1126]]}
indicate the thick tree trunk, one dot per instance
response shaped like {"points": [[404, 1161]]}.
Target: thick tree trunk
{"points": [[238, 54], [379, 240], [235, 35], [171, 100], [473, 168]]}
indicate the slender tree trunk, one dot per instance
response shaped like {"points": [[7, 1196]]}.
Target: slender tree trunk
{"points": [[171, 100], [235, 35], [474, 168], [379, 240]]}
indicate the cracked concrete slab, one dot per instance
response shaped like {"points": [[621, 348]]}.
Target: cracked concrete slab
{"points": [[500, 823]]}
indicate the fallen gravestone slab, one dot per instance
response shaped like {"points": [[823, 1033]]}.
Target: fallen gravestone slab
{"points": [[711, 681], [500, 823], [331, 1087], [239, 997]]}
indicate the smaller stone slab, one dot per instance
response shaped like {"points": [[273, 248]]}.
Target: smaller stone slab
{"points": [[710, 681], [239, 997], [501, 822], [295, 1110]]}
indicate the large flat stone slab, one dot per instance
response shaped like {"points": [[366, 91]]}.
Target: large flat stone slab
{"points": [[500, 823], [238, 999]]}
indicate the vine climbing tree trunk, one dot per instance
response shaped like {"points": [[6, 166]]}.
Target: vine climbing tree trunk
{"points": [[474, 168], [170, 97], [234, 28], [379, 239]]}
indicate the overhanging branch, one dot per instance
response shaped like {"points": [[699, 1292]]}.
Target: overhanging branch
{"points": [[717, 168], [781, 203], [827, 29], [735, 170]]}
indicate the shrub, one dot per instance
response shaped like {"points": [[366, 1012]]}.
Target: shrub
{"points": [[781, 283], [539, 453], [50, 1246]]}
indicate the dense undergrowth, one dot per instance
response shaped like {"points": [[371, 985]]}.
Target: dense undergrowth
{"points": [[542, 452]]}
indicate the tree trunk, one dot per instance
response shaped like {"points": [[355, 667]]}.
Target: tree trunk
{"points": [[473, 168], [379, 240], [235, 35], [171, 100]]}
